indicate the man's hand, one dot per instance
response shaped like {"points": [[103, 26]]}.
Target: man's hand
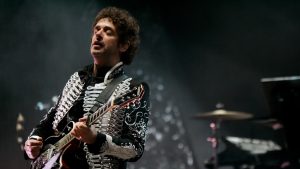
{"points": [[82, 132], [33, 147]]}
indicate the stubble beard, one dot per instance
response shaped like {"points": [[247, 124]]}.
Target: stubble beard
{"points": [[102, 57]]}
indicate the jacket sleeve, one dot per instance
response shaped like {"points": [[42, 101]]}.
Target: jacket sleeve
{"points": [[44, 128], [130, 146]]}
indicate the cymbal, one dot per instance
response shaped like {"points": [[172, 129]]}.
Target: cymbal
{"points": [[266, 121], [270, 122], [222, 114]]}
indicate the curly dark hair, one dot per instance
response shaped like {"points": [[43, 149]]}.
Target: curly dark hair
{"points": [[127, 29]]}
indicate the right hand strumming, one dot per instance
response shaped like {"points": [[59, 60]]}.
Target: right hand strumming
{"points": [[33, 147]]}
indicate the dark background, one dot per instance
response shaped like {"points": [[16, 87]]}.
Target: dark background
{"points": [[194, 54]]}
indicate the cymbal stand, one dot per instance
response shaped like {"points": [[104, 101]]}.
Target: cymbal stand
{"points": [[214, 140]]}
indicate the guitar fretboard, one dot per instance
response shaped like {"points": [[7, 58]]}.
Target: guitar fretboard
{"points": [[100, 112], [65, 140]]}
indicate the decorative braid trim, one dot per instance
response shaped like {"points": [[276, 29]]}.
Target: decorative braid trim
{"points": [[70, 93], [122, 88], [111, 124]]}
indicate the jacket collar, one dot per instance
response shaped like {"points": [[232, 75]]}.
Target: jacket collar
{"points": [[114, 72], [111, 73]]}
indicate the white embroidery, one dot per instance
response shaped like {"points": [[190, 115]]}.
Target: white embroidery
{"points": [[122, 88], [70, 93], [124, 152], [134, 119], [91, 94], [111, 124]]}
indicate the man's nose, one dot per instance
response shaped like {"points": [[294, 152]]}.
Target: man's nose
{"points": [[99, 33], [99, 37]]}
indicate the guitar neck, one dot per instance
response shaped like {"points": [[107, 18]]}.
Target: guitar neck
{"points": [[100, 112], [65, 140]]}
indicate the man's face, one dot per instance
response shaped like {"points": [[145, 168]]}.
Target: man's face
{"points": [[104, 45]]}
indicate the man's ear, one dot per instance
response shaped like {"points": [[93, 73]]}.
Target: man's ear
{"points": [[123, 47]]}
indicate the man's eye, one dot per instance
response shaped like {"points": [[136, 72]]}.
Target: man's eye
{"points": [[108, 31]]}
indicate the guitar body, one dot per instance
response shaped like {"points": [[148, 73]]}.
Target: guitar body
{"points": [[71, 156]]}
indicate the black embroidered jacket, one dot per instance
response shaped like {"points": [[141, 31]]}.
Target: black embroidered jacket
{"points": [[121, 132]]}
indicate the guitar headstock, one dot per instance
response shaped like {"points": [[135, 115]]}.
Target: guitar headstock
{"points": [[131, 96]]}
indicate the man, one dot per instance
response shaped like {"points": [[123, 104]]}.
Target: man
{"points": [[117, 136]]}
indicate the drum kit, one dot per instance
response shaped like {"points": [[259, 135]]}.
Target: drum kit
{"points": [[283, 96], [216, 117]]}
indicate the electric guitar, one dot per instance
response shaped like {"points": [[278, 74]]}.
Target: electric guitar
{"points": [[63, 151]]}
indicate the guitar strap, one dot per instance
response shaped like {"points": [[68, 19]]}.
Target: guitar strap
{"points": [[106, 93]]}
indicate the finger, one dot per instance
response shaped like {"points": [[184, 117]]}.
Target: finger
{"points": [[33, 152], [34, 148], [34, 143], [32, 155], [79, 138], [75, 132], [83, 119], [83, 124], [38, 138], [79, 126], [33, 140], [74, 129], [79, 129], [76, 135]]}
